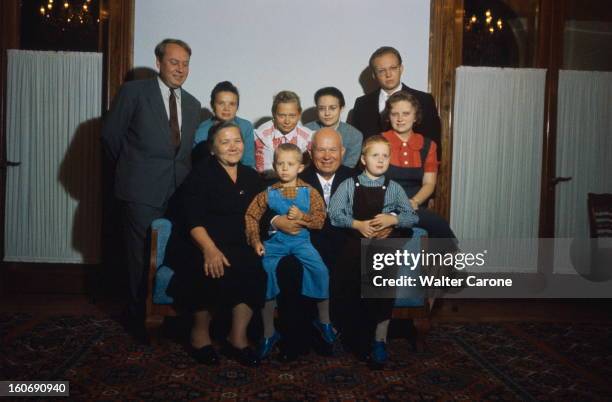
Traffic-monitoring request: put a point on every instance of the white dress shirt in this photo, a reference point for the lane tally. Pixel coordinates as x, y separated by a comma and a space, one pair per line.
326, 185
383, 96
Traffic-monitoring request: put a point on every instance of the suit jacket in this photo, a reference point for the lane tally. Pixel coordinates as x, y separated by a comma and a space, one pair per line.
328, 241
136, 135
367, 119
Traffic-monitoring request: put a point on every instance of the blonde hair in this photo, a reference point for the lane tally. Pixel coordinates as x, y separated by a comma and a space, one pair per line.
285, 97
375, 139
288, 147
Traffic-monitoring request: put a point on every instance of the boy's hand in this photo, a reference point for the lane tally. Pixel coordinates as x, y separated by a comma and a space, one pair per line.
295, 213
383, 233
259, 248
382, 221
364, 227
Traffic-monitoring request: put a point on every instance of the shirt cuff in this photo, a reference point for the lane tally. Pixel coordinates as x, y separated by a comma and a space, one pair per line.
272, 229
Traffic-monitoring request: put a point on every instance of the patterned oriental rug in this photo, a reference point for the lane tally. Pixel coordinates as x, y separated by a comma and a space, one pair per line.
469, 362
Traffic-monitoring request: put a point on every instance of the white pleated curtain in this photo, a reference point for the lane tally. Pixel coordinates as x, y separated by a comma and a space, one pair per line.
584, 146
584, 153
497, 159
53, 119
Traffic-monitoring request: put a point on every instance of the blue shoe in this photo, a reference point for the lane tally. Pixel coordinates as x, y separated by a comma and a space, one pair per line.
267, 345
326, 331
379, 355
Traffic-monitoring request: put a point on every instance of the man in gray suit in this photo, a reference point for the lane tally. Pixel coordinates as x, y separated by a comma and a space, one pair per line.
148, 134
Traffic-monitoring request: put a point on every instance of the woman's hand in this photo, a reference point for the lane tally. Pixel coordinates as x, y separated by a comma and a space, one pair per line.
383, 221
259, 248
414, 204
214, 262
295, 213
364, 227
286, 225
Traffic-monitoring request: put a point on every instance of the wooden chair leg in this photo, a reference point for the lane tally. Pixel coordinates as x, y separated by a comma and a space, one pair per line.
422, 326
153, 326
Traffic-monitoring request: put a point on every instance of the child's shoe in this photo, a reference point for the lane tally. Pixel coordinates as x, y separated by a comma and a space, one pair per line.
378, 356
331, 345
267, 345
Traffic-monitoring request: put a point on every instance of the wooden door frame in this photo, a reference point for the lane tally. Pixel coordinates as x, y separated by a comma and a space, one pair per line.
445, 55
549, 55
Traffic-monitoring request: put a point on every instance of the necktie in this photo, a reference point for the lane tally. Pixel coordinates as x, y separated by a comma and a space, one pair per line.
175, 132
327, 193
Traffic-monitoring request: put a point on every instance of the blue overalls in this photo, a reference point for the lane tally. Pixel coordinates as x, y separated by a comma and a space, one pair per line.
315, 280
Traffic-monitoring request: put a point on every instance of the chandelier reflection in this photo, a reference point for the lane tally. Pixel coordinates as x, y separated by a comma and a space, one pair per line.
68, 13
474, 24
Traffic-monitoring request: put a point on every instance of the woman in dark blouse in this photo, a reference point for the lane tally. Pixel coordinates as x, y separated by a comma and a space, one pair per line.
214, 266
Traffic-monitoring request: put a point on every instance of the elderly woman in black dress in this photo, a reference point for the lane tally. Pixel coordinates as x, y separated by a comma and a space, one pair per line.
215, 268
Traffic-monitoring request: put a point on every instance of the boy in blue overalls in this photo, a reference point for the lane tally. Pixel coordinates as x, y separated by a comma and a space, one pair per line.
300, 202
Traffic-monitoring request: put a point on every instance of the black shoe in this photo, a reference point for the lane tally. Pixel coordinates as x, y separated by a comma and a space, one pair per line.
245, 356
206, 355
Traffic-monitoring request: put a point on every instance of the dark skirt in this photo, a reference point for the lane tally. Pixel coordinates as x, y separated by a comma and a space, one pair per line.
244, 280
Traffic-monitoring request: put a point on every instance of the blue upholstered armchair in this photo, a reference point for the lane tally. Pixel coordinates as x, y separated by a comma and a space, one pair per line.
410, 302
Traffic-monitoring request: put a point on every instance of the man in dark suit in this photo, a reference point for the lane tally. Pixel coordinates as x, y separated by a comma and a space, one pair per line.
325, 175
148, 134
387, 69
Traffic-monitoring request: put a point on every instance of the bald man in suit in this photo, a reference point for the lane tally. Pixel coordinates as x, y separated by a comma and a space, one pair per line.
148, 134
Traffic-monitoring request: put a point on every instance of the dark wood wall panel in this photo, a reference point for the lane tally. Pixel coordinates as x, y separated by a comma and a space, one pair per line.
117, 42
445, 50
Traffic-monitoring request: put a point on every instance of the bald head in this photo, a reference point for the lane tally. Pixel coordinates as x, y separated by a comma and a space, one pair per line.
326, 134
327, 151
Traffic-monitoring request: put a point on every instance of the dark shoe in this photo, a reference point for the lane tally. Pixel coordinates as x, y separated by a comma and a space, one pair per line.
378, 356
206, 355
245, 356
267, 345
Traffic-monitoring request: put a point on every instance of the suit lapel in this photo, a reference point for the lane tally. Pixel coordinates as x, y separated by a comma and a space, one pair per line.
310, 177
157, 107
375, 116
340, 176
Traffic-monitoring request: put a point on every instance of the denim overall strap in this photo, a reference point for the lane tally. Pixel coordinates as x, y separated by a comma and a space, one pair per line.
277, 203
302, 199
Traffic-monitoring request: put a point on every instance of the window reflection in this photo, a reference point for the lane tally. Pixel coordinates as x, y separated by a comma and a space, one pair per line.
587, 36
499, 33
